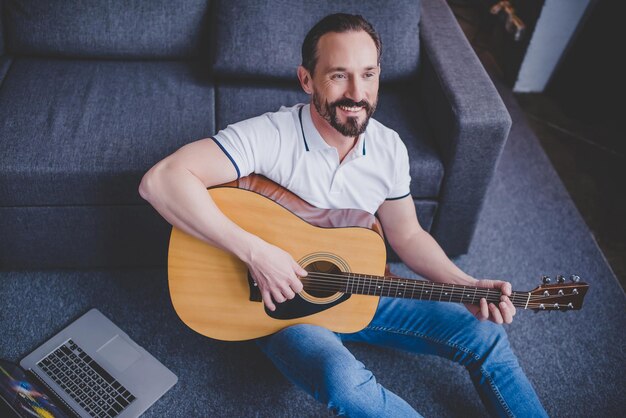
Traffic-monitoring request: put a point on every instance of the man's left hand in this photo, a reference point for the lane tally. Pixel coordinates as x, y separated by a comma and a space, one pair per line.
503, 312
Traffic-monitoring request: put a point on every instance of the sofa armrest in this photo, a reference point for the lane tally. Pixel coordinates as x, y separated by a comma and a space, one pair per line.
469, 121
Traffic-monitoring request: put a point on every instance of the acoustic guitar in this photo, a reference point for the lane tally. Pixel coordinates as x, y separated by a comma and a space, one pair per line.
342, 250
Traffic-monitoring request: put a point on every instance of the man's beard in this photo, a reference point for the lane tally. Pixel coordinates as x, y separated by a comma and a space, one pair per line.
351, 128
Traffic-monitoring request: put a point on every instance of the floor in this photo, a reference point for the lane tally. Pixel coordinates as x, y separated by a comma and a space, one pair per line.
587, 156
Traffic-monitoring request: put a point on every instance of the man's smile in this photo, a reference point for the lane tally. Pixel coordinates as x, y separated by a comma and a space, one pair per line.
351, 110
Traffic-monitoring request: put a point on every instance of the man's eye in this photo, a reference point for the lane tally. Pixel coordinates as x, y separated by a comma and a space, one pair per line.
369, 75
338, 76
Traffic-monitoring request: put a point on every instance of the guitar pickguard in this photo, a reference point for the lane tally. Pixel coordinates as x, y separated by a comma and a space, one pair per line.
299, 307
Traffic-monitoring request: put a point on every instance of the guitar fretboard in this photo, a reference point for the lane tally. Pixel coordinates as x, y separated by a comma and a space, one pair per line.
398, 287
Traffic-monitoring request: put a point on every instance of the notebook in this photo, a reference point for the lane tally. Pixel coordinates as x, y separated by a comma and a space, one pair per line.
89, 369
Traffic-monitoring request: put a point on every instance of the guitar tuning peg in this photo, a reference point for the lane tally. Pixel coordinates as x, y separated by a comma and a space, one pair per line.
560, 279
574, 278
545, 279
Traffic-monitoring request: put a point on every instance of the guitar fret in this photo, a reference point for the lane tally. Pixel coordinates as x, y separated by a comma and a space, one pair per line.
463, 294
463, 289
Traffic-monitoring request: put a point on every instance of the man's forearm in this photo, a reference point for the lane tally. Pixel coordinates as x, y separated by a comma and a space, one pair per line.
183, 201
422, 254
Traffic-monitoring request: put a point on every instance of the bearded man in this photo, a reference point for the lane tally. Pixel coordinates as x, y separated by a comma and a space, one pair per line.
333, 154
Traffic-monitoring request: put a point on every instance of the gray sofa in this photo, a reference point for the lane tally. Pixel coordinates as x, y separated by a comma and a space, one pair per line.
93, 93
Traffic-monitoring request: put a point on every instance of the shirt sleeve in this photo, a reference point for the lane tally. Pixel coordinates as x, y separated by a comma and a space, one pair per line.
402, 176
250, 144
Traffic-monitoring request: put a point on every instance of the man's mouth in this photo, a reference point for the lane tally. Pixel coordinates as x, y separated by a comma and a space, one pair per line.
351, 109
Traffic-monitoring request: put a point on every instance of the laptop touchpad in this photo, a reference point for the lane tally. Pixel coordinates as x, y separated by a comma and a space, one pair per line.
119, 353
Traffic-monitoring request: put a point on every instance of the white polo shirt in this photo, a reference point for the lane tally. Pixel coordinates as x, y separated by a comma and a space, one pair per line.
286, 147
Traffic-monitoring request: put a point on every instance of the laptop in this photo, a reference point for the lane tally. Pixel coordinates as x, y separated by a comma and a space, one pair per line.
89, 369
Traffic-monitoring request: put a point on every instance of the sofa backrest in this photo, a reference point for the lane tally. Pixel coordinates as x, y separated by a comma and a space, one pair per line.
249, 39
142, 29
263, 39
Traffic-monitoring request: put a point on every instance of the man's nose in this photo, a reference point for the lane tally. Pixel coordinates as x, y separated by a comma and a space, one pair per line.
356, 91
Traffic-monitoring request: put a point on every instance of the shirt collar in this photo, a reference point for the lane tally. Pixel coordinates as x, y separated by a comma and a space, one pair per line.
313, 141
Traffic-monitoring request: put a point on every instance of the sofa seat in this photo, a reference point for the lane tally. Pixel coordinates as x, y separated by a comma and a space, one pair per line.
82, 132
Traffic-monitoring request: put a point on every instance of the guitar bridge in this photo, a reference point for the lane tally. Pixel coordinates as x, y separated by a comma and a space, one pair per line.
255, 293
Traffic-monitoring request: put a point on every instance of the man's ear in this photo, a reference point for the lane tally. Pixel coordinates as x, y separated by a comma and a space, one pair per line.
306, 81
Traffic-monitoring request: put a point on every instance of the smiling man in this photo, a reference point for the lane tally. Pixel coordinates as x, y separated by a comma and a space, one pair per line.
333, 154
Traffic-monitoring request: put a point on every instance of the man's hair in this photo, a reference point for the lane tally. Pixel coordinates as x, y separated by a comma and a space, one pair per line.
338, 22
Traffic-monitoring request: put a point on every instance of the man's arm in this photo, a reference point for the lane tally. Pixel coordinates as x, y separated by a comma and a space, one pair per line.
176, 187
421, 253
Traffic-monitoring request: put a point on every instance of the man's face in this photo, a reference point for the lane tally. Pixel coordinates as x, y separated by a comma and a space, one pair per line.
345, 81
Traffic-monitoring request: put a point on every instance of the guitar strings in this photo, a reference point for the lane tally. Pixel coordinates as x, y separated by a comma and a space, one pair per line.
519, 302
321, 277
387, 280
440, 296
338, 285
340, 282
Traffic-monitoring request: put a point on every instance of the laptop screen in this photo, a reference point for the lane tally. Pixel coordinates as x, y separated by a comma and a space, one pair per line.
24, 396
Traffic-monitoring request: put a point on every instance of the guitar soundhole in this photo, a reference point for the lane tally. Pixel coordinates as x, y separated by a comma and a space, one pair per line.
325, 270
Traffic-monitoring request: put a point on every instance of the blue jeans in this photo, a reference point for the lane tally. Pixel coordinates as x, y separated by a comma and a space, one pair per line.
315, 359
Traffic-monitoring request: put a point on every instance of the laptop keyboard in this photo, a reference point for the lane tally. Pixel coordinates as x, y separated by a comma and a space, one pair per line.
95, 390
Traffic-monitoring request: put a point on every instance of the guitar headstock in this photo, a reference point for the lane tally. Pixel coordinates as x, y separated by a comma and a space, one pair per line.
559, 296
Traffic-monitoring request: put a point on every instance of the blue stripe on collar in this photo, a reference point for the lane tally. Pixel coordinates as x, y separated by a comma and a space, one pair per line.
302, 128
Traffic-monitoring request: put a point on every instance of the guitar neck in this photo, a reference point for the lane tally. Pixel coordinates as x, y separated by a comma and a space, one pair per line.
398, 287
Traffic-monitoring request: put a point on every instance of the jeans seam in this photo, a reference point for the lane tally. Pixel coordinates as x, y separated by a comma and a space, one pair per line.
456, 346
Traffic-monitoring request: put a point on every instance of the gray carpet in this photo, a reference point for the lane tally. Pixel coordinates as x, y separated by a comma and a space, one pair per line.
529, 227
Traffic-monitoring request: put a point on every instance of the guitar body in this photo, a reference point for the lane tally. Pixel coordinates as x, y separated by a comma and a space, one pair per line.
211, 289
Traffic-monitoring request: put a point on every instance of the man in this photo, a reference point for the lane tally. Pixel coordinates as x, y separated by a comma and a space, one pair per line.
332, 154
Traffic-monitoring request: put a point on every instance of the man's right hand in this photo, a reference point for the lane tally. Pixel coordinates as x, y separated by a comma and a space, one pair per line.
276, 273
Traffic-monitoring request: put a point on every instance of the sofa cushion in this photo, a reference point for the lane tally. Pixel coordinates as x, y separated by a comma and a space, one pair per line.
84, 132
397, 109
264, 39
108, 29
